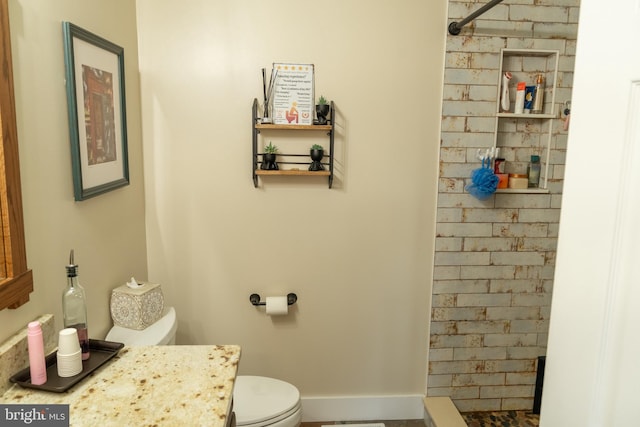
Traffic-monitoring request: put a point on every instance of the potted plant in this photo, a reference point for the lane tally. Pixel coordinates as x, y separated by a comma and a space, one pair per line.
322, 111
317, 153
269, 157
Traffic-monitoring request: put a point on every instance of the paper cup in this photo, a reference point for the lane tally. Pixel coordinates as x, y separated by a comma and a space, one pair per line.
69, 365
68, 341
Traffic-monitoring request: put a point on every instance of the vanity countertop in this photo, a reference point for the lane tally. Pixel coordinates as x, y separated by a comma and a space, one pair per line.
149, 385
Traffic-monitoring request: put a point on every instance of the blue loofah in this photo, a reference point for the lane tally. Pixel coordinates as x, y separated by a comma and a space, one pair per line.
483, 182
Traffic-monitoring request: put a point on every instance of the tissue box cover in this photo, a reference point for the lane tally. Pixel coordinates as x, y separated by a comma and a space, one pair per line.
136, 308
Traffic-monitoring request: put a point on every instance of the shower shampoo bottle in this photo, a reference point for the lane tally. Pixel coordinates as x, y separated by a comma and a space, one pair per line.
74, 307
538, 101
533, 172
519, 108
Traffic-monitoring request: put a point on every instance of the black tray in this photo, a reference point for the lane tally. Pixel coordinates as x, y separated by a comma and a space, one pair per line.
101, 352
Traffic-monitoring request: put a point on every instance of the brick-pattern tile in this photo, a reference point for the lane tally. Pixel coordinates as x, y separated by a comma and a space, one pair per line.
494, 259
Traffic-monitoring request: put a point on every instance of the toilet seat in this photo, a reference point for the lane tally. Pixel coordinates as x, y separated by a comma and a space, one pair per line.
262, 401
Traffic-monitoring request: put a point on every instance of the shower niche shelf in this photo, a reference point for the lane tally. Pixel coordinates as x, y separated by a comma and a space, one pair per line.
294, 166
520, 135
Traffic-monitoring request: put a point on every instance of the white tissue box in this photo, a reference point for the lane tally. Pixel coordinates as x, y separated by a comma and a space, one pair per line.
136, 308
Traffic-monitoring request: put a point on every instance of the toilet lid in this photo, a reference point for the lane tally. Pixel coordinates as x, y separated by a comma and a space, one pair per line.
256, 399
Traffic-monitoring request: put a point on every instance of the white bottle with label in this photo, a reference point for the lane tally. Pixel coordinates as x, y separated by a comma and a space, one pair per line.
519, 107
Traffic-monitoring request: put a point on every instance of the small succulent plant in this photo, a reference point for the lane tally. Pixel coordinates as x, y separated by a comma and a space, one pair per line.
317, 147
322, 100
271, 149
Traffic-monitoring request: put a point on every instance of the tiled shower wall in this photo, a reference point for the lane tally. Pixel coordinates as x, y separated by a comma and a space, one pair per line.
494, 259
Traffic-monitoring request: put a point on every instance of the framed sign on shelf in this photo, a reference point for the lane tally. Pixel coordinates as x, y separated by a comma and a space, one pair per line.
97, 114
293, 94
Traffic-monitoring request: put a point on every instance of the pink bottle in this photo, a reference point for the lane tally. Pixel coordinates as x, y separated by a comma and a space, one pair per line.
35, 343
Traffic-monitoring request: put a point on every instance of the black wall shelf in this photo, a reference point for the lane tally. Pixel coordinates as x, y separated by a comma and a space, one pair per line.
258, 127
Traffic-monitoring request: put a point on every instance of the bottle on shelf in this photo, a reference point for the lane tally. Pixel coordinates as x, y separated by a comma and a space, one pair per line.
504, 99
519, 107
539, 95
74, 307
533, 171
35, 345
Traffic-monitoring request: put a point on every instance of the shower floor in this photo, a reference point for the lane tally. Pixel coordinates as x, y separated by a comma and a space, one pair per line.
473, 419
501, 419
394, 423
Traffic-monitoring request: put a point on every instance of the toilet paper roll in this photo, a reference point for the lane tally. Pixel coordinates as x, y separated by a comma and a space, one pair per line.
277, 306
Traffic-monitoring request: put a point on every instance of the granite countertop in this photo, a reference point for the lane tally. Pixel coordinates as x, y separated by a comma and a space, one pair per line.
149, 385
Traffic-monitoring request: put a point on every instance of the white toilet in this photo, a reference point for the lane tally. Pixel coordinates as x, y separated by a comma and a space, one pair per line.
262, 401
257, 401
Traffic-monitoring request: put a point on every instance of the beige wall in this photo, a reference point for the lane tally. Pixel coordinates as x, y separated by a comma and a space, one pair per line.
360, 255
107, 232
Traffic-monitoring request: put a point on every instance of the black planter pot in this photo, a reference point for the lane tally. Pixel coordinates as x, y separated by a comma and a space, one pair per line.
322, 111
269, 162
316, 156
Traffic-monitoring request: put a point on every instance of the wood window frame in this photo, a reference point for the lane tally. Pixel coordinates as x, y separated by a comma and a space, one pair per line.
16, 280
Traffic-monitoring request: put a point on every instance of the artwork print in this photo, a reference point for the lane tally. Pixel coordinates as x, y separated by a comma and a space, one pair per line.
99, 115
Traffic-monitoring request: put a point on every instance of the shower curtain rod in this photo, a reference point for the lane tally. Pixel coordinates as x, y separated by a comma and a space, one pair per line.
455, 27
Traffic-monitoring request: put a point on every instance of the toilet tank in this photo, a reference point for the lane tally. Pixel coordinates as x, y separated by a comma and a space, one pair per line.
162, 332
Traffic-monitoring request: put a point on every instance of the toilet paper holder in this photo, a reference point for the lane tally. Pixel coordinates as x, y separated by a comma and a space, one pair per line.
255, 299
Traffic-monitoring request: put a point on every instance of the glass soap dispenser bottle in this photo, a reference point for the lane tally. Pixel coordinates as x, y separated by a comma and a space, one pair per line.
74, 307
533, 171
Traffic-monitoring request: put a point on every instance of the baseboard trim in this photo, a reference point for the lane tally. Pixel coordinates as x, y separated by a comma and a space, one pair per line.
362, 408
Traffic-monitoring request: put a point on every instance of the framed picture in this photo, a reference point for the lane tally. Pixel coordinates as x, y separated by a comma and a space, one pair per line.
97, 119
